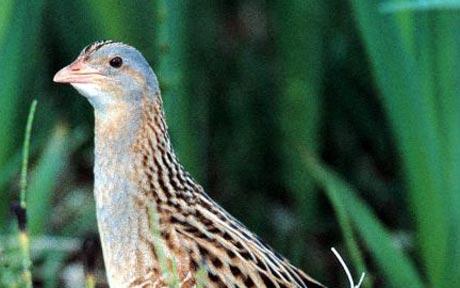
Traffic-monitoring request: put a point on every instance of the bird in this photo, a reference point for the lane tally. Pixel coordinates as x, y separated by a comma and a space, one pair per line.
136, 171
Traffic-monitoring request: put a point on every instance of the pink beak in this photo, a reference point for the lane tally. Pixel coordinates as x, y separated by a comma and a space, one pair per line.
77, 72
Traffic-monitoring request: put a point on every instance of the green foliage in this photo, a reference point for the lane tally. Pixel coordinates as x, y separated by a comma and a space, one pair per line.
172, 64
23, 235
44, 179
369, 88
19, 22
415, 60
395, 264
10, 266
300, 59
25, 155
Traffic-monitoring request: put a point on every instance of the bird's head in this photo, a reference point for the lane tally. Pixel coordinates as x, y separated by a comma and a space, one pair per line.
111, 75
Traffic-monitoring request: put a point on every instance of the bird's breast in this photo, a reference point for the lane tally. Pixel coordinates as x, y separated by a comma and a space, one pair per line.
122, 217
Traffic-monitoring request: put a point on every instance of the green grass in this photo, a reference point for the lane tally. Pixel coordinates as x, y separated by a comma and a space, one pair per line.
16, 42
370, 89
354, 215
22, 249
414, 60
23, 236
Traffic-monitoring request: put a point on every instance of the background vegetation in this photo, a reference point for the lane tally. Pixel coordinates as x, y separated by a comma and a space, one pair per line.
317, 123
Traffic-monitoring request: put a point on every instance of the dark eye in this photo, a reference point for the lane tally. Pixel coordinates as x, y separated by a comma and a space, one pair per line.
116, 62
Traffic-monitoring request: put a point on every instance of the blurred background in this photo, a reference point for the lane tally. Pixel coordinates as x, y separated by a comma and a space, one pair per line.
316, 123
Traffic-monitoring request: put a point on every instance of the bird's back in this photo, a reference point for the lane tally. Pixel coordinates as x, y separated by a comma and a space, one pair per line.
198, 233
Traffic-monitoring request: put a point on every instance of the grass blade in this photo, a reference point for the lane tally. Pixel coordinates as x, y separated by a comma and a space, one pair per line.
25, 154
21, 211
345, 223
405, 79
396, 266
446, 75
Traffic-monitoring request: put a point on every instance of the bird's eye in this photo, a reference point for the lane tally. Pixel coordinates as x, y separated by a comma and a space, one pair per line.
116, 62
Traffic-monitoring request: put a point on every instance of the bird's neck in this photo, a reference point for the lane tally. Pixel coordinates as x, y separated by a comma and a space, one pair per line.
134, 163
117, 216
126, 135
133, 151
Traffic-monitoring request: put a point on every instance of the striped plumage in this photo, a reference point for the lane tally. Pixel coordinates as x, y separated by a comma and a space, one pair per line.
136, 170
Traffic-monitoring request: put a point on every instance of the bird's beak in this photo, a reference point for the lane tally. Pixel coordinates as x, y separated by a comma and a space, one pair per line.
77, 72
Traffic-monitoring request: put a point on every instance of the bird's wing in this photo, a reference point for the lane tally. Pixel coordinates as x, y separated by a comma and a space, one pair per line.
232, 254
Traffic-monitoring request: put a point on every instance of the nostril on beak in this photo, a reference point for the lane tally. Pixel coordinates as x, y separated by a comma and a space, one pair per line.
74, 67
